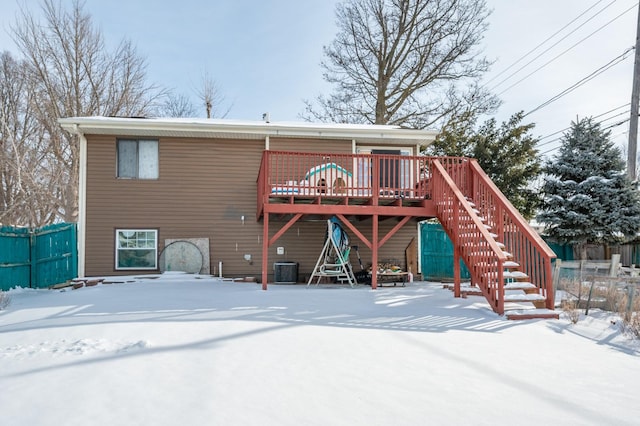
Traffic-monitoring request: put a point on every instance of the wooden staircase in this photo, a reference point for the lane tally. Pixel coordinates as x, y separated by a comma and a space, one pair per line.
509, 263
522, 298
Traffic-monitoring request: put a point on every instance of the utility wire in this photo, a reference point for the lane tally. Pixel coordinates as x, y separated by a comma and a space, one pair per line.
594, 74
604, 128
616, 124
554, 44
595, 116
565, 51
546, 40
602, 122
568, 128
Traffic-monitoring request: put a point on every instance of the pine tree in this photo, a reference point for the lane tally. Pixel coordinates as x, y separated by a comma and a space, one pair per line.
506, 152
588, 197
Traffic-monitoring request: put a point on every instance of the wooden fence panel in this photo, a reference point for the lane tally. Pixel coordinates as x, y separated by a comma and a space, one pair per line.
15, 257
38, 258
56, 259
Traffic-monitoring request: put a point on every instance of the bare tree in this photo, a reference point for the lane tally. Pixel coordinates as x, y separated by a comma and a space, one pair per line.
29, 188
212, 97
405, 62
73, 74
180, 105
176, 105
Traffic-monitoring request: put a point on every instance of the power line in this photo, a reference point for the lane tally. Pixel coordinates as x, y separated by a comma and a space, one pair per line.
616, 124
604, 128
595, 116
585, 80
568, 128
554, 44
546, 40
565, 51
611, 110
601, 122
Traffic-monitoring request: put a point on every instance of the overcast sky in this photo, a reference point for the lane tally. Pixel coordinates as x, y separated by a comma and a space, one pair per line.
265, 54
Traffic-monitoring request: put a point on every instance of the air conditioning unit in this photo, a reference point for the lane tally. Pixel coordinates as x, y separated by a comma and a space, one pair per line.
285, 272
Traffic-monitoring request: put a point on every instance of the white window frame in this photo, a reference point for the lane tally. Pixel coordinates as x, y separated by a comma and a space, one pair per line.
132, 233
147, 161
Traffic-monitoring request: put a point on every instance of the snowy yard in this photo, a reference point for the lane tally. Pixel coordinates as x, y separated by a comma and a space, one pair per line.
188, 351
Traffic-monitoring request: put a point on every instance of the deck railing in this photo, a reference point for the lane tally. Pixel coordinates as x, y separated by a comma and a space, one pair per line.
471, 239
336, 175
526, 246
448, 182
299, 174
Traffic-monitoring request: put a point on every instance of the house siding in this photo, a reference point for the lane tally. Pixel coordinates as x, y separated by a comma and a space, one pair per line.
205, 187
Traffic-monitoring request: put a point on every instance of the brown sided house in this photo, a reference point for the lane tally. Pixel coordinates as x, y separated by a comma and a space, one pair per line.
253, 195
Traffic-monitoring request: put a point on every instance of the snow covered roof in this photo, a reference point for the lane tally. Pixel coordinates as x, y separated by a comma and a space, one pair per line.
239, 129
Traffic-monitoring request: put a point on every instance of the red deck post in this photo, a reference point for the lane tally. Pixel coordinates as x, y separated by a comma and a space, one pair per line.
265, 249
374, 253
456, 250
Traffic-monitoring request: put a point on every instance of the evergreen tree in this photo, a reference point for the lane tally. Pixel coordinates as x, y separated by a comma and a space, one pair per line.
455, 137
588, 197
506, 153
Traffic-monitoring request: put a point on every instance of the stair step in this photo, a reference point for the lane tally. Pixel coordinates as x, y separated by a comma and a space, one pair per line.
520, 285
507, 275
525, 314
509, 265
523, 297
515, 275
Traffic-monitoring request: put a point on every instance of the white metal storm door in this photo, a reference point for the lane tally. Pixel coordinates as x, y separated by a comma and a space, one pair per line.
394, 174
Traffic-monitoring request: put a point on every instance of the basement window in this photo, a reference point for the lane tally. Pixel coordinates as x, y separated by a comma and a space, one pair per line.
136, 249
137, 159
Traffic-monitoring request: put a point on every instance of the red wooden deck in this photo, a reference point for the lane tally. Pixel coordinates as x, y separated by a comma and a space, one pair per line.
453, 189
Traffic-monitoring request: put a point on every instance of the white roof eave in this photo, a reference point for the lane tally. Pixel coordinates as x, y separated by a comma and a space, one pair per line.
213, 128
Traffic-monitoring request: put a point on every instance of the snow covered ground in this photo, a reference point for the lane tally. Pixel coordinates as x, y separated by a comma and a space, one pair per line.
187, 350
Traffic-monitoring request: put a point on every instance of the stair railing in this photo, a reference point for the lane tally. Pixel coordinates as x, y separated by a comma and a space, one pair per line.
524, 243
471, 239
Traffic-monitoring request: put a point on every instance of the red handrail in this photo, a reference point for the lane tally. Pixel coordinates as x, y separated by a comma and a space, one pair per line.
479, 250
526, 246
448, 181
